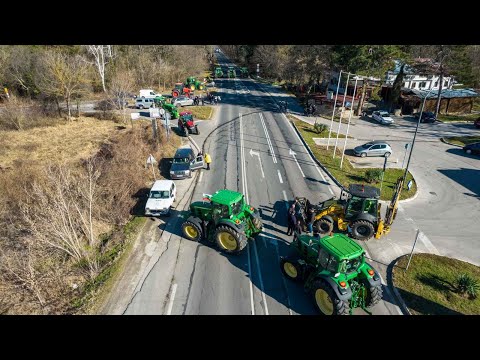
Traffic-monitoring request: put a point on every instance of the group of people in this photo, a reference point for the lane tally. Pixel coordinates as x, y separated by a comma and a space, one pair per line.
206, 158
296, 219
213, 99
310, 110
284, 106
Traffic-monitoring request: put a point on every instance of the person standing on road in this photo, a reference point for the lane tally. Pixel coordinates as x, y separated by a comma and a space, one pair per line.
298, 229
203, 100
291, 220
208, 160
310, 218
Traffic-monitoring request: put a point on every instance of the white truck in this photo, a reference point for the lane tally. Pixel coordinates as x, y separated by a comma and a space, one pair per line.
148, 94
161, 198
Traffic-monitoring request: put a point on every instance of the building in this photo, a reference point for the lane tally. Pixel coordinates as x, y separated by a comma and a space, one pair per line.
419, 79
453, 101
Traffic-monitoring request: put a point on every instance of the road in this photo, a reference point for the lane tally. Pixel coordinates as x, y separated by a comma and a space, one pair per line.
256, 151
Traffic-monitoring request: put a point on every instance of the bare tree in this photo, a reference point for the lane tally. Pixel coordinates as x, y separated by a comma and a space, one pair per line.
121, 86
62, 76
60, 213
102, 55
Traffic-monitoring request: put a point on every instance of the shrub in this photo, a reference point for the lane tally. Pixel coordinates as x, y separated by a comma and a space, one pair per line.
319, 128
467, 285
373, 175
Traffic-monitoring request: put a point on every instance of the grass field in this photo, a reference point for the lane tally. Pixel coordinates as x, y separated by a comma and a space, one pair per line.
453, 118
348, 174
200, 112
462, 140
428, 287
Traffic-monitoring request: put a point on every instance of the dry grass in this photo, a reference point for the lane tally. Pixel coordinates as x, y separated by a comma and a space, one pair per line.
67, 142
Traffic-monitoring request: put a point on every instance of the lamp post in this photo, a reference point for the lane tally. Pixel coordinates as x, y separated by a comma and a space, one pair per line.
334, 107
415, 135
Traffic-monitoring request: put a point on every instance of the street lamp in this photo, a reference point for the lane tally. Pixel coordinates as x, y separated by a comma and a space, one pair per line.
415, 135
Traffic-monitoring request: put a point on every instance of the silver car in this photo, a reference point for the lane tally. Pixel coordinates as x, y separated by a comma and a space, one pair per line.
182, 101
373, 148
382, 117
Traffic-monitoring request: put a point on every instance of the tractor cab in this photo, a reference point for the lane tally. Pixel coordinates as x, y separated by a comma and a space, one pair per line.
360, 199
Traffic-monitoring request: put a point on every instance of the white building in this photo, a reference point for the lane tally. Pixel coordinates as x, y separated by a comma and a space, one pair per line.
418, 81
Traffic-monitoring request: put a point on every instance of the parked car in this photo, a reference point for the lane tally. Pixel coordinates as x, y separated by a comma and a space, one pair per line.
182, 101
161, 198
184, 162
477, 123
373, 148
382, 117
148, 94
473, 148
144, 103
427, 117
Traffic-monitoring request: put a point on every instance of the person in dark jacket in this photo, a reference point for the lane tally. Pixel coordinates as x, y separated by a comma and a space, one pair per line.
298, 229
310, 218
291, 220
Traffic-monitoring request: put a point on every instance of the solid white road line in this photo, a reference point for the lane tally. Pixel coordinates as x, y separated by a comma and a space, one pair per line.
428, 244
286, 199
252, 304
201, 175
280, 176
172, 297
269, 142
260, 277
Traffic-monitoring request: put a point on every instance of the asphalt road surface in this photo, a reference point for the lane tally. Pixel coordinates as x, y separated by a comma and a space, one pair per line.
256, 151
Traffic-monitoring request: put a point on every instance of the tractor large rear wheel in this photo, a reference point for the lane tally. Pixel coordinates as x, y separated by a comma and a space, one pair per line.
374, 294
326, 301
175, 93
362, 230
192, 229
291, 268
323, 226
229, 240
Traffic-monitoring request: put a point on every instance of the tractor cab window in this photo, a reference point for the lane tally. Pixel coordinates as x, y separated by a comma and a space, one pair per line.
351, 265
332, 264
354, 206
323, 258
237, 207
220, 211
370, 207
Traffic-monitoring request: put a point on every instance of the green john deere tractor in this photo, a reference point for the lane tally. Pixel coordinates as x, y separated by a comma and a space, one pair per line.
244, 72
194, 84
218, 72
223, 218
231, 72
172, 109
334, 272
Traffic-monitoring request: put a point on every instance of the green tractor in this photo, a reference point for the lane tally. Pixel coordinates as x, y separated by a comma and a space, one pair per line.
244, 72
231, 72
194, 84
223, 218
334, 272
218, 72
172, 109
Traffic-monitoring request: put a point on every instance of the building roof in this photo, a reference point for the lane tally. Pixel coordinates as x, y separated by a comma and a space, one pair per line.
446, 93
160, 185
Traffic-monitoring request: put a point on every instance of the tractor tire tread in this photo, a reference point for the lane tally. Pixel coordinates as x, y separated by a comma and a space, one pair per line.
340, 307
357, 236
192, 220
317, 225
242, 239
374, 295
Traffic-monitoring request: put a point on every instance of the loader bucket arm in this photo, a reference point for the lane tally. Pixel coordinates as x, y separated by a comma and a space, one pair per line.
385, 224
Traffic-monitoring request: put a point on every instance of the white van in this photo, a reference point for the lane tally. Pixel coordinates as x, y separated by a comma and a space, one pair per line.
143, 103
148, 94
161, 198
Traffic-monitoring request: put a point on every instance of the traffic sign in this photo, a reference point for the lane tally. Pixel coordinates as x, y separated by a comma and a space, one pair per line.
151, 160
409, 184
135, 116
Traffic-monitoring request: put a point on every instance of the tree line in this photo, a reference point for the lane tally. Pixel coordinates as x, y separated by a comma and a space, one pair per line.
68, 73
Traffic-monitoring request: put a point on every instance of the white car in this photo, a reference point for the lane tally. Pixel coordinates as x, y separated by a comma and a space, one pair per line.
149, 94
182, 101
382, 117
161, 198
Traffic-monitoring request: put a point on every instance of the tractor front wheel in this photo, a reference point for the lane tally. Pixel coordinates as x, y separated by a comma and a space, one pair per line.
323, 226
196, 130
192, 229
229, 240
291, 269
326, 301
374, 294
362, 230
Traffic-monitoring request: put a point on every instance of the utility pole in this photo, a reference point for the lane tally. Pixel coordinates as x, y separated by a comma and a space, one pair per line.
334, 106
349, 118
341, 114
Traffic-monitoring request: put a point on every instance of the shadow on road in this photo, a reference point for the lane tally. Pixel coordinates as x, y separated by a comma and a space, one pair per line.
468, 178
141, 197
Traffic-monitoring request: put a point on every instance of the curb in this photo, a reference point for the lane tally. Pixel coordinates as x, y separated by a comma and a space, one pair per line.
315, 158
449, 143
401, 301
390, 284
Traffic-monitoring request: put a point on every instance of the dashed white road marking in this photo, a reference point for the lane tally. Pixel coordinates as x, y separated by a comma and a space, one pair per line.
293, 153
280, 176
201, 175
269, 142
172, 297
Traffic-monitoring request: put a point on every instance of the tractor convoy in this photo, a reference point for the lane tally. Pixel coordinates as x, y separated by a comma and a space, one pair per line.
333, 267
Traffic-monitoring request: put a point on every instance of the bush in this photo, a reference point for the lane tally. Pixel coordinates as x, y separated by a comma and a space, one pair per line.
319, 128
467, 285
373, 175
